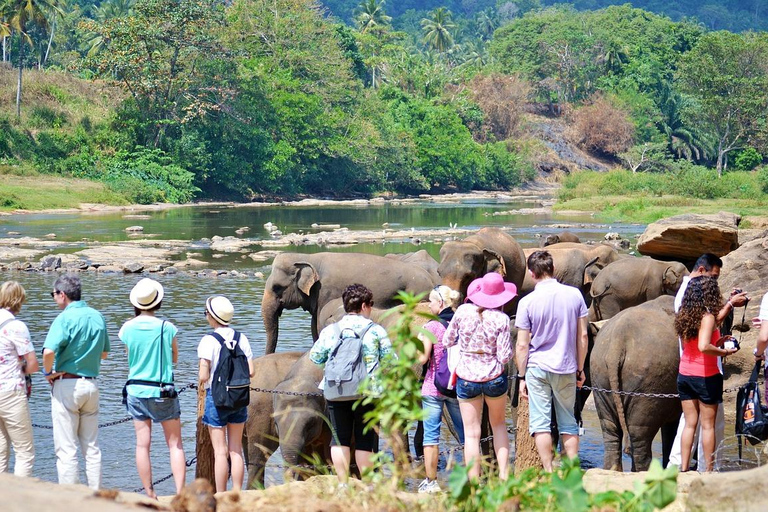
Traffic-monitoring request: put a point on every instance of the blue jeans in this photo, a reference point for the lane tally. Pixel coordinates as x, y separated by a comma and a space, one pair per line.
494, 388
543, 386
433, 405
215, 417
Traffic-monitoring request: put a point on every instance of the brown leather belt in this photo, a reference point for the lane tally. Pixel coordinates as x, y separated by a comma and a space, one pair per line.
74, 376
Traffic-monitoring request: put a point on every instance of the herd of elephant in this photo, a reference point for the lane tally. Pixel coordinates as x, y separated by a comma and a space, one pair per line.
635, 351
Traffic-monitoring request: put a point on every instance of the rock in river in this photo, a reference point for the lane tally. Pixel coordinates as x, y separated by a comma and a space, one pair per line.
686, 237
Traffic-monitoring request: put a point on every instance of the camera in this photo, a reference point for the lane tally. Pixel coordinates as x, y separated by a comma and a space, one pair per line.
730, 343
168, 391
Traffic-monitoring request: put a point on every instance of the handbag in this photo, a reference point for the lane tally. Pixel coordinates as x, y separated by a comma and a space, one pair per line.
167, 389
751, 414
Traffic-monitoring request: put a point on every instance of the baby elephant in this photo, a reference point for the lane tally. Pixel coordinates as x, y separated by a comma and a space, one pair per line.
565, 236
632, 281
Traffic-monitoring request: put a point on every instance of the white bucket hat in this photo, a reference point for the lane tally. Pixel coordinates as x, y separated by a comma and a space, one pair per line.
220, 309
147, 294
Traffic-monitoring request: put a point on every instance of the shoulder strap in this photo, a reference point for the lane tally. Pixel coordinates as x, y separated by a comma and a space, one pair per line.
218, 337
7, 322
752, 378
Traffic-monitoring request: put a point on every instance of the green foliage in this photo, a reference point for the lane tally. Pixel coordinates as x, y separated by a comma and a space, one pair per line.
562, 490
762, 179
747, 159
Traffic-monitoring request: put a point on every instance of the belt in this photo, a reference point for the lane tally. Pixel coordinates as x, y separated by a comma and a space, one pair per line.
74, 376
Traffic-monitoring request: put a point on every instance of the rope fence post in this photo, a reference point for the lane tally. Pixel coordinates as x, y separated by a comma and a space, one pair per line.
203, 446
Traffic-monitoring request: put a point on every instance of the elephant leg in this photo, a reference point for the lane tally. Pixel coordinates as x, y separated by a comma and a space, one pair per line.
668, 433
257, 453
641, 439
612, 432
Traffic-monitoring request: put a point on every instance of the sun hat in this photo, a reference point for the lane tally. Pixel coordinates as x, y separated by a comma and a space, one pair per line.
220, 309
146, 294
490, 291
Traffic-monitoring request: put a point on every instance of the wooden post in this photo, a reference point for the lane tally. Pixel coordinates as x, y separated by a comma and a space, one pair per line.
204, 448
526, 455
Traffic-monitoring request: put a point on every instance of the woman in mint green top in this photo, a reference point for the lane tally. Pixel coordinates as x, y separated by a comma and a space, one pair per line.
152, 352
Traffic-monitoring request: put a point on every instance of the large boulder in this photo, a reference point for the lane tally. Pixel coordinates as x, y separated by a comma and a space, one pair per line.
686, 237
747, 268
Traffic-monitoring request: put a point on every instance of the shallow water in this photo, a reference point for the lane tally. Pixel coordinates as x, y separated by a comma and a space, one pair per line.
185, 297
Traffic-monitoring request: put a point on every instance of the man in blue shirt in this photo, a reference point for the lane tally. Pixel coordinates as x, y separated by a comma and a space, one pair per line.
77, 342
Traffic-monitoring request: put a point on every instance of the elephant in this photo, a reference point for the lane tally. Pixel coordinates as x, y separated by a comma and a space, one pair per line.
490, 250
565, 236
260, 434
421, 259
632, 281
575, 264
309, 281
637, 351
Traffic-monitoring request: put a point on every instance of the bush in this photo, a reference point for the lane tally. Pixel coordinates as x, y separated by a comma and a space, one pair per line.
44, 117
147, 176
602, 127
747, 159
501, 98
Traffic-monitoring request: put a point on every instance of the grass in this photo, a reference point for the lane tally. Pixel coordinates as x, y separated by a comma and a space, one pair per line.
44, 192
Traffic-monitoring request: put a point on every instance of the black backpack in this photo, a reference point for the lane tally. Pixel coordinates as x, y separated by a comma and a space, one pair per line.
231, 386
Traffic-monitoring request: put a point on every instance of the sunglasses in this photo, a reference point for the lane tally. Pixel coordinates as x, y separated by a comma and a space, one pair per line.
54, 293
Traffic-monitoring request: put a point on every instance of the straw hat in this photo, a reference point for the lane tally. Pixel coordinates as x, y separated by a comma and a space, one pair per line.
490, 291
147, 294
220, 309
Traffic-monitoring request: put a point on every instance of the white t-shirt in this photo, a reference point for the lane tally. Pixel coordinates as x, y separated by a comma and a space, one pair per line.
210, 347
763, 315
14, 343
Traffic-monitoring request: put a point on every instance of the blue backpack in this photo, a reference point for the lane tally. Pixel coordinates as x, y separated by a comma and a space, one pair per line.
231, 386
345, 368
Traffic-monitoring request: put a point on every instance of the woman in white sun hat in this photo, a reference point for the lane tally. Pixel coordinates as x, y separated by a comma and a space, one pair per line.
149, 394
481, 329
225, 425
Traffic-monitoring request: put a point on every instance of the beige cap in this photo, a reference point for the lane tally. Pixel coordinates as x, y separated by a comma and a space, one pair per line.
146, 294
220, 309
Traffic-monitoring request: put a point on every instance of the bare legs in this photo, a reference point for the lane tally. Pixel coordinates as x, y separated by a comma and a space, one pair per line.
172, 431
430, 461
228, 446
471, 415
341, 457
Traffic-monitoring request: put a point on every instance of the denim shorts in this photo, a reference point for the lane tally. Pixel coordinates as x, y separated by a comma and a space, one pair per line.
494, 388
215, 417
708, 390
155, 409
433, 406
545, 389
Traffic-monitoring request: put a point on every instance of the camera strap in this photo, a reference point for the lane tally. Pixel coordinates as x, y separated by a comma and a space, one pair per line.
143, 382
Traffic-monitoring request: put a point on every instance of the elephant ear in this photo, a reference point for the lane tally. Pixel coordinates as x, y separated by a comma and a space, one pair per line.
590, 274
306, 276
494, 262
670, 279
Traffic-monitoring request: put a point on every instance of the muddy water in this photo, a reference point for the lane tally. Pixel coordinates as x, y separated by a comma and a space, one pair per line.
185, 297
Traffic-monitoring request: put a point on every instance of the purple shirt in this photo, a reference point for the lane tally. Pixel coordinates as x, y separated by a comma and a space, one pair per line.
551, 312
484, 343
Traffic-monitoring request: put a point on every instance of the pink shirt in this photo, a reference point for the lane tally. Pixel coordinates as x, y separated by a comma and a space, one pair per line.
428, 387
484, 343
695, 364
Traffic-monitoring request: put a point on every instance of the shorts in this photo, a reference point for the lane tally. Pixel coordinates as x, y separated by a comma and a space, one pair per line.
155, 409
219, 418
433, 406
546, 389
708, 390
494, 388
345, 422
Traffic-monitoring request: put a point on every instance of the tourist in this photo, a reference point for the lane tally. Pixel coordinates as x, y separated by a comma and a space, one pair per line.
149, 393
15, 348
442, 301
225, 425
481, 329
346, 419
699, 381
706, 265
551, 348
75, 346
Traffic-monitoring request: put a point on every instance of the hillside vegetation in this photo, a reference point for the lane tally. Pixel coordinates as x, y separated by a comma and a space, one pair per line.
167, 100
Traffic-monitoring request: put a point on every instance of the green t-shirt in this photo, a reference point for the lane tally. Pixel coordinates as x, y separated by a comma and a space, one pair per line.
141, 336
78, 336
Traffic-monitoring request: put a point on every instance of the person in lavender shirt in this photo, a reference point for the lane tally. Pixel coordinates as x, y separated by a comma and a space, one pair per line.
551, 347
442, 301
481, 330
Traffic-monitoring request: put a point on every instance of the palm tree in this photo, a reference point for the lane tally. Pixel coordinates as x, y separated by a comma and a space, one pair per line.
5, 25
486, 24
23, 13
108, 10
372, 17
437, 29
683, 141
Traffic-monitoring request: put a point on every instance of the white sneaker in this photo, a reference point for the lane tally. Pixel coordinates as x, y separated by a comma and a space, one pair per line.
428, 486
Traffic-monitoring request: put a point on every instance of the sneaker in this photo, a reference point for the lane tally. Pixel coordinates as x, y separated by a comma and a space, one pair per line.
428, 486
342, 490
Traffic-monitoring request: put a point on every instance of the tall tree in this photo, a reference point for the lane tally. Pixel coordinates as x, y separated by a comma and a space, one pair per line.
372, 17
21, 15
438, 29
727, 75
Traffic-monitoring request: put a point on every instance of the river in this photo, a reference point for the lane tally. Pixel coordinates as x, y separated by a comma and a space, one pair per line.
185, 295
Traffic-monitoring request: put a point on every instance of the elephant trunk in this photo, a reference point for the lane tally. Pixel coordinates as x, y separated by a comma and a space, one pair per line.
271, 309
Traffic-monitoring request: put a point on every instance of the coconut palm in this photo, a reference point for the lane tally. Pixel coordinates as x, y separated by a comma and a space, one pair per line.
5, 25
683, 140
486, 24
110, 9
372, 17
23, 13
438, 29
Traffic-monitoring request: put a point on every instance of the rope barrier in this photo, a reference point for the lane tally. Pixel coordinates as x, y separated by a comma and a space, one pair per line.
191, 462
645, 395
